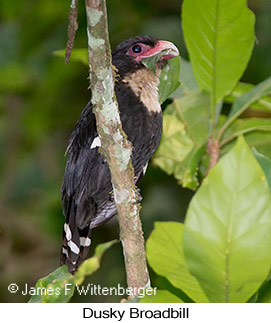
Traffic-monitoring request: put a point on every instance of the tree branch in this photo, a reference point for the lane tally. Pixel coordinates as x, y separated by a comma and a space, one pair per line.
115, 146
72, 28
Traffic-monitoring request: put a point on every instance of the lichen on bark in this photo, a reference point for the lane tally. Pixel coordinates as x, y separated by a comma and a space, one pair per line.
115, 147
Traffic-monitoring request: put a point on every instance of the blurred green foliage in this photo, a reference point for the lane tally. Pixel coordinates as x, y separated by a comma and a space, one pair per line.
40, 100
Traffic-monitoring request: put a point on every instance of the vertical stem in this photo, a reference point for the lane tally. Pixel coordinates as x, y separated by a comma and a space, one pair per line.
115, 146
213, 151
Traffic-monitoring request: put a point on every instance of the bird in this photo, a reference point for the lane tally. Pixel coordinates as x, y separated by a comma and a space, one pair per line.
87, 200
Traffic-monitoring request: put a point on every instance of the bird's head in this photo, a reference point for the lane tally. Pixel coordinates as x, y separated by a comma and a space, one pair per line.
128, 56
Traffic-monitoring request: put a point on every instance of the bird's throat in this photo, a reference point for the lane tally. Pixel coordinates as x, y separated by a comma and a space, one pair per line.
144, 83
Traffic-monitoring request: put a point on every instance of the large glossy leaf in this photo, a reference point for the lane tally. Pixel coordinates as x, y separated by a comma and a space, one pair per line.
219, 35
182, 156
165, 256
265, 163
265, 293
227, 236
58, 287
162, 296
162, 283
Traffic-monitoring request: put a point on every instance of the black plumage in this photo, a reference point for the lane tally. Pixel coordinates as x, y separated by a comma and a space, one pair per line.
87, 190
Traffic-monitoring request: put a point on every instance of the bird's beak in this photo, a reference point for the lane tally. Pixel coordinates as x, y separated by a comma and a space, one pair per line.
170, 49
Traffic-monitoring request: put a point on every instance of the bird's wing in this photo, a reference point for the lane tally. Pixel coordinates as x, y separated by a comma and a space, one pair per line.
86, 182
85, 191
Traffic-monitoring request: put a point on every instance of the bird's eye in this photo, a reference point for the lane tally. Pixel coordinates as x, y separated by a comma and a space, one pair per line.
136, 49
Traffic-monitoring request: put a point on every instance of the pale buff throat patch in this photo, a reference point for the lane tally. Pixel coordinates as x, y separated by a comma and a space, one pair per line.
144, 83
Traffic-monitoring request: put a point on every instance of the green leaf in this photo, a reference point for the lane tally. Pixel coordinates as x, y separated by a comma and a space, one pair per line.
188, 81
227, 236
220, 39
244, 101
165, 256
78, 55
265, 293
169, 78
180, 154
162, 296
265, 163
174, 146
241, 88
261, 140
162, 282
58, 287
150, 62
91, 265
193, 111
243, 126
187, 78
176, 153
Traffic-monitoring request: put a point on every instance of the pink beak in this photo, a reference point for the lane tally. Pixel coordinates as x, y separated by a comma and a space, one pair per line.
172, 50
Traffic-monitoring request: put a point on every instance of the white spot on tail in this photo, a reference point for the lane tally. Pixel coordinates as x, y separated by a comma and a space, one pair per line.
85, 242
68, 232
65, 251
73, 247
96, 142
145, 169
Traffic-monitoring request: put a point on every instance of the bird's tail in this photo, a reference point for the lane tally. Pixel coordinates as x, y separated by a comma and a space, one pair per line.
75, 246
